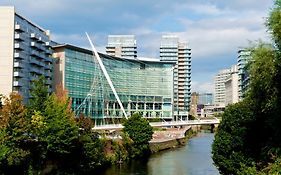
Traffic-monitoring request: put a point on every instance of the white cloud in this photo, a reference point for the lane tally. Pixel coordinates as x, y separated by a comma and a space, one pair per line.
202, 87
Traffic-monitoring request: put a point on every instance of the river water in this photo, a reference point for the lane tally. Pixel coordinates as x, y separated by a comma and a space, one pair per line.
192, 159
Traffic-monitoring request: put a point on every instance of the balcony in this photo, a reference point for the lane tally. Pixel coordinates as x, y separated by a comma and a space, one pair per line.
37, 54
48, 52
40, 40
48, 44
37, 62
20, 55
17, 83
18, 74
18, 28
48, 60
34, 36
19, 37
48, 74
36, 46
18, 64
19, 46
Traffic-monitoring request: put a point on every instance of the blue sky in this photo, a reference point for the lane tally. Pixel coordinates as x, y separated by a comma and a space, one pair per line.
214, 29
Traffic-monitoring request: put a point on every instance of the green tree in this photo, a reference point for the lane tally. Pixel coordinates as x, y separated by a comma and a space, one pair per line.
61, 131
230, 148
140, 131
39, 93
13, 135
257, 135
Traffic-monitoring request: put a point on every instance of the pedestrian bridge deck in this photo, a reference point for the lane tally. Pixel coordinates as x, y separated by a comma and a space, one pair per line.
162, 124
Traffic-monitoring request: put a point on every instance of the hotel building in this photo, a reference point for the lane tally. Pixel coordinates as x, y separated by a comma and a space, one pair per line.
144, 86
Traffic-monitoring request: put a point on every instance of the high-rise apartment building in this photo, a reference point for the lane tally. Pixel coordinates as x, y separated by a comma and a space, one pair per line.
124, 46
25, 53
231, 86
219, 96
172, 50
243, 75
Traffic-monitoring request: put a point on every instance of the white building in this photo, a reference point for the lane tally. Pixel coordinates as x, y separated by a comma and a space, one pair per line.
231, 86
219, 95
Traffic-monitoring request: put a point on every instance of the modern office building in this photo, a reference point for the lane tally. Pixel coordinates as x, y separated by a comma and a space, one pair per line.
171, 50
124, 46
231, 86
243, 75
219, 96
144, 86
25, 53
205, 98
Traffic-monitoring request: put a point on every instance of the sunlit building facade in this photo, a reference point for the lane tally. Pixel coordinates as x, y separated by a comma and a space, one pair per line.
25, 54
171, 50
143, 86
220, 78
124, 46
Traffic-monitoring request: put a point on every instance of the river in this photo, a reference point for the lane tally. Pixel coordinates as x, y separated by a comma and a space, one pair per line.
192, 159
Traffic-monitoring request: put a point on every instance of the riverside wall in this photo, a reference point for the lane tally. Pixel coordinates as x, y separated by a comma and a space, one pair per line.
171, 138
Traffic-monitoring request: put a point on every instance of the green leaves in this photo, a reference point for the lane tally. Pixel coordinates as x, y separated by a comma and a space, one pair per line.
249, 137
140, 132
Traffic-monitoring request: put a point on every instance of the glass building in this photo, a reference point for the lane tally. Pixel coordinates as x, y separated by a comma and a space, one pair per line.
143, 86
243, 74
171, 50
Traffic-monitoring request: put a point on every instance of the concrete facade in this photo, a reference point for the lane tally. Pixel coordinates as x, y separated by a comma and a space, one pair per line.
231, 86
219, 96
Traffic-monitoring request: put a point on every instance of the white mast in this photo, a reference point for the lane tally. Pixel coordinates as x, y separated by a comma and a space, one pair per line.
107, 76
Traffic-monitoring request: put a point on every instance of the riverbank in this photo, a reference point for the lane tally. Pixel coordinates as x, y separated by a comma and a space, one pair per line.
171, 138
192, 158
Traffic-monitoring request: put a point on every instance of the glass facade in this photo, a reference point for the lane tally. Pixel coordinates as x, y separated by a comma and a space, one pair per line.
142, 86
243, 75
173, 51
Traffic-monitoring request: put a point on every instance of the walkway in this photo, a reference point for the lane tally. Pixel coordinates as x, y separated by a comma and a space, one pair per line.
162, 124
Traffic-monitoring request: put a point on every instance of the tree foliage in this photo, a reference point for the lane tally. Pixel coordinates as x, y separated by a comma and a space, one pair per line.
39, 93
31, 139
140, 131
249, 137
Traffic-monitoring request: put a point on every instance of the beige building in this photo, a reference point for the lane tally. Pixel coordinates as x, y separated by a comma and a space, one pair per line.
231, 86
219, 95
25, 53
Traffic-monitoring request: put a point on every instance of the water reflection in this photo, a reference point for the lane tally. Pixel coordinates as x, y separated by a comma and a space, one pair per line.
192, 159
